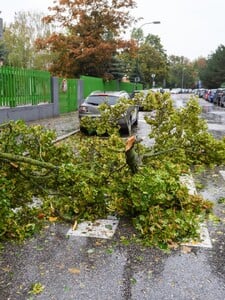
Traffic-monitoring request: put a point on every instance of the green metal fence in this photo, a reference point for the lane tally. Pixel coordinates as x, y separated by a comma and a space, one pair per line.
19, 87
68, 100
67, 95
92, 83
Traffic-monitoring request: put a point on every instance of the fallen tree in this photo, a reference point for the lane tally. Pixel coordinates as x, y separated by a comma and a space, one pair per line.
88, 177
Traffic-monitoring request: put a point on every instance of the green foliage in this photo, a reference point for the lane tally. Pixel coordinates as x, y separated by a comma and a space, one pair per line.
107, 124
160, 206
36, 288
151, 58
152, 61
221, 200
182, 72
19, 41
183, 130
87, 177
20, 181
146, 101
117, 68
76, 51
213, 73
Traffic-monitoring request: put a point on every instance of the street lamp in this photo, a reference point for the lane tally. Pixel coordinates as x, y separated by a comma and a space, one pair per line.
153, 22
182, 79
147, 23
153, 80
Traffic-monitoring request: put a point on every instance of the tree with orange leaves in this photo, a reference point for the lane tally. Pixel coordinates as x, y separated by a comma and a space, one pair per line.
90, 35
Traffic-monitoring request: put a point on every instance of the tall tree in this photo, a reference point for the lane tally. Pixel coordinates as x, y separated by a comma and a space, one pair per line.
213, 75
151, 61
151, 58
3, 52
19, 41
90, 37
182, 72
199, 66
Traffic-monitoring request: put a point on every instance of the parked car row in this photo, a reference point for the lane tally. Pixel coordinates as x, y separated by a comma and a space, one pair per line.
90, 106
215, 96
181, 91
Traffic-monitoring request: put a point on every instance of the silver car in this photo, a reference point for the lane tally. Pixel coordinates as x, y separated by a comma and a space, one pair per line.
90, 107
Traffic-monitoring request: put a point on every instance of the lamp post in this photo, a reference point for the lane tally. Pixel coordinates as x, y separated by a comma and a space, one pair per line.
147, 23
153, 80
140, 27
182, 79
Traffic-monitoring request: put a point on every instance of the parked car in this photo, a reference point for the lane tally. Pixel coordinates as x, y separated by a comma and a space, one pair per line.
218, 96
201, 92
206, 95
176, 91
222, 98
90, 107
211, 95
139, 97
165, 90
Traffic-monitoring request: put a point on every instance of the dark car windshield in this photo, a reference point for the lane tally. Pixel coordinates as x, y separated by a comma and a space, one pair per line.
98, 99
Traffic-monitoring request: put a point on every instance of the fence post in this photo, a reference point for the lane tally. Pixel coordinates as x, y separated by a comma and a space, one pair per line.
80, 91
55, 95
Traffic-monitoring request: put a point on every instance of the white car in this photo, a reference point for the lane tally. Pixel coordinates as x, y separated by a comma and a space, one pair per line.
176, 91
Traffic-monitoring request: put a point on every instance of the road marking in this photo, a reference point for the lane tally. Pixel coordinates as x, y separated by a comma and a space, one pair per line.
204, 241
223, 174
188, 180
105, 228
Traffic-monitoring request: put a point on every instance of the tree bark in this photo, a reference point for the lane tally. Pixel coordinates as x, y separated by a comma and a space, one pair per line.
18, 158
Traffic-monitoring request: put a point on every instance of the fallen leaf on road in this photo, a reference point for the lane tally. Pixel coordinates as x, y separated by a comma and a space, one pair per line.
185, 249
6, 269
52, 219
74, 270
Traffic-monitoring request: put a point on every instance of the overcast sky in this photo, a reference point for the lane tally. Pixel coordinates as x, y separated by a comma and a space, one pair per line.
189, 28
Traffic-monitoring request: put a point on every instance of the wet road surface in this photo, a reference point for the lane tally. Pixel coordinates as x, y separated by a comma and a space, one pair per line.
81, 268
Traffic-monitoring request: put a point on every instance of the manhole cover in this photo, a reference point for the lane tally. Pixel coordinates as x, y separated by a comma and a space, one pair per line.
102, 228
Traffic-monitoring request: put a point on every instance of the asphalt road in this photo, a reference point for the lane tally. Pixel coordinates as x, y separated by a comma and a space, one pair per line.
83, 268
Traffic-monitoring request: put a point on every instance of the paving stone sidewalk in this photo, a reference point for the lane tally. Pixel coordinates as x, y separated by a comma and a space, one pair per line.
63, 124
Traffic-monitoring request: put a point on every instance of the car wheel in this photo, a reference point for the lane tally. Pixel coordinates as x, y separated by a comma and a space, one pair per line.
129, 126
83, 130
222, 101
136, 121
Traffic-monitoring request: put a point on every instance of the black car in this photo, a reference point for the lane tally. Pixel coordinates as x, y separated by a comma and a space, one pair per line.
222, 98
218, 96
